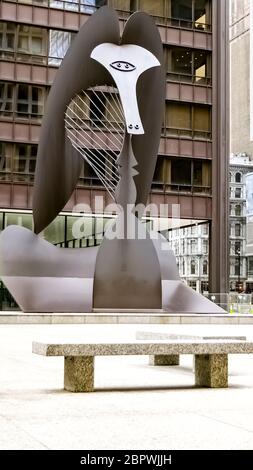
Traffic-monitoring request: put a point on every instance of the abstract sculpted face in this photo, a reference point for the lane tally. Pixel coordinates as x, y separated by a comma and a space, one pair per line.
100, 140
126, 63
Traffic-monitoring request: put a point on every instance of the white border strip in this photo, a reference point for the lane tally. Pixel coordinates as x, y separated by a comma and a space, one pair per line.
251, 70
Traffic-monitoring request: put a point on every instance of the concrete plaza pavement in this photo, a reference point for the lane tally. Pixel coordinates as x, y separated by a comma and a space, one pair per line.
135, 406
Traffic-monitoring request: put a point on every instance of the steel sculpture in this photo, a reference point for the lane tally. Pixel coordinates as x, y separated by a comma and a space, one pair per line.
130, 271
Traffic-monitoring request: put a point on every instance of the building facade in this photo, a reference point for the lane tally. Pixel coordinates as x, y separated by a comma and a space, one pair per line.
191, 244
191, 247
240, 167
240, 72
192, 165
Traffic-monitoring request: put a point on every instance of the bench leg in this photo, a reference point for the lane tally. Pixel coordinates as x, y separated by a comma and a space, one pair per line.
79, 373
211, 370
164, 360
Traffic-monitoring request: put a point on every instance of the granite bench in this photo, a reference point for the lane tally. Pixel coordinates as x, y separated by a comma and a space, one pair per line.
174, 359
211, 358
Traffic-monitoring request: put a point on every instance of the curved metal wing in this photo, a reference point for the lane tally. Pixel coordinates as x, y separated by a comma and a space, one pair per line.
58, 162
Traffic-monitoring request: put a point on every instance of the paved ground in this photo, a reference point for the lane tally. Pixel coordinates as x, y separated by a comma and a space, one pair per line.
135, 406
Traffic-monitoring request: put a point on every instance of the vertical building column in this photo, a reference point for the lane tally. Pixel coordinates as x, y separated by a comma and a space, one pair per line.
219, 244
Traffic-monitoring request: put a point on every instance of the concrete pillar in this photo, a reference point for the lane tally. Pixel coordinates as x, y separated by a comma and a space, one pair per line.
79, 373
164, 360
211, 370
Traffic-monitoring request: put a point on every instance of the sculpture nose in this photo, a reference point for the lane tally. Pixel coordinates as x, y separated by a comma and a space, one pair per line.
130, 106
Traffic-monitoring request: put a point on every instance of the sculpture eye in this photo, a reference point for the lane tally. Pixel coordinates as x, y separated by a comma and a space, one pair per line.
123, 66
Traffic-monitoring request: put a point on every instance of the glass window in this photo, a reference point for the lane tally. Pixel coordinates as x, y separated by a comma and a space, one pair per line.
237, 230
200, 63
193, 244
193, 267
97, 108
7, 38
238, 210
205, 267
181, 173
22, 99
193, 230
26, 40
79, 107
238, 177
80, 227
202, 119
59, 42
87, 174
37, 101
201, 176
250, 266
186, 64
237, 267
85, 6
30, 101
97, 158
31, 40
192, 284
204, 286
24, 162
181, 9
237, 247
6, 151
181, 61
200, 13
112, 111
1, 221
101, 224
178, 116
54, 233
124, 5
159, 171
238, 193
24, 220
183, 267
183, 118
196, 11
197, 173
6, 98
205, 229
205, 246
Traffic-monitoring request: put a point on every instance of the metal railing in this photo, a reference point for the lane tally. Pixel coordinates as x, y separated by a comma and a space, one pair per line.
94, 239
180, 188
94, 181
87, 124
233, 303
187, 133
22, 115
189, 78
23, 177
30, 58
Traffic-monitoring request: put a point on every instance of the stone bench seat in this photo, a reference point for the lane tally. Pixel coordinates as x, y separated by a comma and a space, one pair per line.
211, 358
